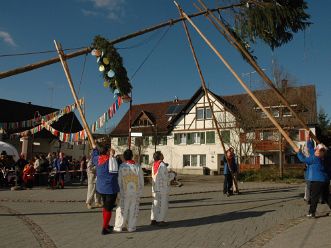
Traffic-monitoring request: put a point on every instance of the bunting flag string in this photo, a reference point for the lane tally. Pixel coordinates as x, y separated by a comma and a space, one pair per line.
100, 122
78, 136
65, 137
38, 119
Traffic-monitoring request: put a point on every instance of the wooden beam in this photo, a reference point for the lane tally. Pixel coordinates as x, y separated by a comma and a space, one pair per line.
86, 50
203, 84
250, 93
221, 27
73, 91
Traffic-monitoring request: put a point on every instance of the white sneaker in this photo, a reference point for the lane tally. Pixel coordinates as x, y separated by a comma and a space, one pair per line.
117, 229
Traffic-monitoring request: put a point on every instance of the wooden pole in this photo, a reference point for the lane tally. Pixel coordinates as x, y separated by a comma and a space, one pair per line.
234, 42
204, 87
73, 91
250, 93
86, 50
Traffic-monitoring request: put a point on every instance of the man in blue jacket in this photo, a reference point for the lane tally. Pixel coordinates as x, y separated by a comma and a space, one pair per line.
106, 185
316, 174
61, 165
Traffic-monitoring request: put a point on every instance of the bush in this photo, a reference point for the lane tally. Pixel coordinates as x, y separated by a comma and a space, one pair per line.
271, 173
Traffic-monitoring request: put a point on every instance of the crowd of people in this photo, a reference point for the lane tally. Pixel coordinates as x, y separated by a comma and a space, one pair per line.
40, 170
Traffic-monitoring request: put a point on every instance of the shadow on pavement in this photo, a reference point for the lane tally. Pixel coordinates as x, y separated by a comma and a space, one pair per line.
208, 220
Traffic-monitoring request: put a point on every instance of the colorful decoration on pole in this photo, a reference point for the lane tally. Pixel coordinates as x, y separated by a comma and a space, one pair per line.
111, 66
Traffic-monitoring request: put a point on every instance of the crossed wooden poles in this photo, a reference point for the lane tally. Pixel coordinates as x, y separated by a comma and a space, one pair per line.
221, 27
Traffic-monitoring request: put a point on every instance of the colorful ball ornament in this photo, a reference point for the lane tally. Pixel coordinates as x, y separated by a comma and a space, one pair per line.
93, 52
111, 73
101, 68
97, 53
106, 84
105, 61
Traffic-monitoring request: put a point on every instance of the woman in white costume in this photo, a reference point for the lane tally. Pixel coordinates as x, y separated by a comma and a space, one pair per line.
131, 182
160, 190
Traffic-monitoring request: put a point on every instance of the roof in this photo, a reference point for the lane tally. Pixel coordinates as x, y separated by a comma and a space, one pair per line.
12, 111
241, 105
156, 112
302, 99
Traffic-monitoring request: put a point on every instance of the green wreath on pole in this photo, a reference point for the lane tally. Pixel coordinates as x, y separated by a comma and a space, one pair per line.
111, 66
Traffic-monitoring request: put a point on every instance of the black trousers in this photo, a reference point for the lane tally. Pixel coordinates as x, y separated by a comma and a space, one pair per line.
318, 190
227, 187
108, 201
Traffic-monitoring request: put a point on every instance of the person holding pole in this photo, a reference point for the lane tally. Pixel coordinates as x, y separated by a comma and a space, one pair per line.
234, 174
160, 190
230, 167
131, 183
317, 175
106, 185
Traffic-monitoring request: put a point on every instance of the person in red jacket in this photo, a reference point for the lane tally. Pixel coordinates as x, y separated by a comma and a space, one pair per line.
28, 174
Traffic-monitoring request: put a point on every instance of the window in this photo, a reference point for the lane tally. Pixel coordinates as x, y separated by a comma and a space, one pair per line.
225, 136
161, 140
202, 160
186, 160
275, 112
122, 141
210, 137
144, 159
195, 138
294, 135
287, 112
182, 138
270, 135
146, 141
203, 113
194, 160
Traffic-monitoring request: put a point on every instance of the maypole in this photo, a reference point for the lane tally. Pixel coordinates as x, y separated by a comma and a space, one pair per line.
221, 27
73, 91
250, 93
204, 87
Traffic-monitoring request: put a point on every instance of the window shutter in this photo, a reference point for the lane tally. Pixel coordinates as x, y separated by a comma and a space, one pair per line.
176, 138
202, 138
302, 134
225, 136
210, 137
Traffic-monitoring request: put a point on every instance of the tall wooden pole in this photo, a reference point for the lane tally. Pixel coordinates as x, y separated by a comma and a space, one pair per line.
86, 50
73, 91
250, 93
221, 27
204, 87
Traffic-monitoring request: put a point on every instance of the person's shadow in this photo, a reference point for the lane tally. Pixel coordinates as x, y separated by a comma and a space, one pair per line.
208, 220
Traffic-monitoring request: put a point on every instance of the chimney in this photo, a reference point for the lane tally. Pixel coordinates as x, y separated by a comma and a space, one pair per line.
176, 99
284, 85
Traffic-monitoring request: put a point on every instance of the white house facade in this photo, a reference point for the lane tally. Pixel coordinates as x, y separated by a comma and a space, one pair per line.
185, 133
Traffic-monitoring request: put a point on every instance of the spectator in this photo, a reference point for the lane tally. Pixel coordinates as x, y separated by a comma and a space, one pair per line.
91, 192
61, 165
19, 167
82, 170
28, 174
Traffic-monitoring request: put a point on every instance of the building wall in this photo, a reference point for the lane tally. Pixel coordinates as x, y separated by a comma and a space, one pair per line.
187, 124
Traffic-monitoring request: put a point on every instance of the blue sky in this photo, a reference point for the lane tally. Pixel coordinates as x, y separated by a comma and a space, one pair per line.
170, 71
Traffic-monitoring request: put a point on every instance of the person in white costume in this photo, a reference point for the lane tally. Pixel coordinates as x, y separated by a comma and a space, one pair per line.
91, 190
131, 183
160, 190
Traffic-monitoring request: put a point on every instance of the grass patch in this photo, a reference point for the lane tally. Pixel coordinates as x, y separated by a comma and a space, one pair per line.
271, 174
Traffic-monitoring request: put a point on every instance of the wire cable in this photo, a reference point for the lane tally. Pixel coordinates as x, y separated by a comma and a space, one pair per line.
150, 53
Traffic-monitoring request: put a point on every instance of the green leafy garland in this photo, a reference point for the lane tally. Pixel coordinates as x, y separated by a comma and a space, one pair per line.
273, 21
111, 65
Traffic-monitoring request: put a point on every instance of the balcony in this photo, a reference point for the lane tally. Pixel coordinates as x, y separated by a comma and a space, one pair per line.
267, 145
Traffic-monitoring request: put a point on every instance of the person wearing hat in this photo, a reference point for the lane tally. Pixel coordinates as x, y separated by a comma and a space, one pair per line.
106, 185
317, 175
